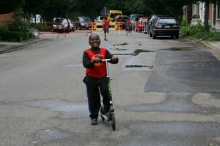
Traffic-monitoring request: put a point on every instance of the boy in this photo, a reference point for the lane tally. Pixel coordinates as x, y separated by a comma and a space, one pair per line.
96, 80
106, 24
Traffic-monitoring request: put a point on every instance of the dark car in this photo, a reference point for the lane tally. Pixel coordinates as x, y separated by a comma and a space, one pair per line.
133, 18
149, 21
120, 17
164, 26
123, 19
82, 22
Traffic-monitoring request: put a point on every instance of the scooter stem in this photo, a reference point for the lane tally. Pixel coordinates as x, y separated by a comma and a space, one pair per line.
106, 61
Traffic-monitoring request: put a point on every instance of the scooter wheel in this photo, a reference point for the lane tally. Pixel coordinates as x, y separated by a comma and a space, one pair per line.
103, 119
113, 122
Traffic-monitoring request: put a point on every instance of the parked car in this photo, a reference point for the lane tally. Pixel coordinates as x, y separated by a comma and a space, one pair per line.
82, 22
61, 24
141, 24
149, 22
98, 19
133, 18
123, 19
164, 26
120, 17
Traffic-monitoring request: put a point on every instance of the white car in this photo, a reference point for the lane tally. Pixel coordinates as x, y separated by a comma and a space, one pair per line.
60, 24
98, 19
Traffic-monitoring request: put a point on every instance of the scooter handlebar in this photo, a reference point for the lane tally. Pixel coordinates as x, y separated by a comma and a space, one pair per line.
107, 60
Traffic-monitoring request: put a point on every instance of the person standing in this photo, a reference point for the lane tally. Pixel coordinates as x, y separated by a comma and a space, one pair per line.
96, 79
106, 24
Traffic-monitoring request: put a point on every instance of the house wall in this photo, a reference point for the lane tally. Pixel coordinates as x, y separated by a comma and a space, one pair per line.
217, 21
6, 17
200, 9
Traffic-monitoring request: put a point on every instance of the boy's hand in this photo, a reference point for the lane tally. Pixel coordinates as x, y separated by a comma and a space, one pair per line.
114, 58
96, 60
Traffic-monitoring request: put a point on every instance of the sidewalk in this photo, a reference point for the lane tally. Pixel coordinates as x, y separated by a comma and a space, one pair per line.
11, 46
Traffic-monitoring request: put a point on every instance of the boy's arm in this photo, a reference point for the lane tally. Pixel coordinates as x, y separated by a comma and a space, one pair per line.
86, 62
114, 59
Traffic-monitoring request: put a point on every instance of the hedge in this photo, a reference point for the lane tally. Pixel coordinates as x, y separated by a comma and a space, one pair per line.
15, 36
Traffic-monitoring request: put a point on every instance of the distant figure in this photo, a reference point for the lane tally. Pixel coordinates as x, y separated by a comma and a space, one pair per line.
128, 25
106, 24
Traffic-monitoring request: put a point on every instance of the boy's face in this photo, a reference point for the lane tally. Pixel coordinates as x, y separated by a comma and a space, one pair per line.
94, 41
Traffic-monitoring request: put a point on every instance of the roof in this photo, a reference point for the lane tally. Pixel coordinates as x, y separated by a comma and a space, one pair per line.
6, 17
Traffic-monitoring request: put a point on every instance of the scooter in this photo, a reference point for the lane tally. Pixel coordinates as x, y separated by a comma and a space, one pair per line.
110, 117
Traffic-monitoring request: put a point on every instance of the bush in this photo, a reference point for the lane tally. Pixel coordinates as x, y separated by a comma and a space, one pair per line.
198, 27
3, 26
207, 36
18, 26
184, 23
43, 27
15, 36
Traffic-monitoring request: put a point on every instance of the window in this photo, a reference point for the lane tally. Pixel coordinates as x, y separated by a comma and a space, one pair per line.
167, 21
218, 9
195, 9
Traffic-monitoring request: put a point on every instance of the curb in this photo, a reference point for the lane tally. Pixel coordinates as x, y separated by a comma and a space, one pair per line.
216, 50
10, 48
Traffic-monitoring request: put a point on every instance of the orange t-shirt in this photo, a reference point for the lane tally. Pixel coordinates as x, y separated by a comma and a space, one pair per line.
99, 69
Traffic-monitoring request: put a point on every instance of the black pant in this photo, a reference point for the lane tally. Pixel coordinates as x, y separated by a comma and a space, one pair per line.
95, 86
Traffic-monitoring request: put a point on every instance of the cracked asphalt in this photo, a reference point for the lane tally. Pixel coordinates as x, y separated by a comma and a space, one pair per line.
175, 101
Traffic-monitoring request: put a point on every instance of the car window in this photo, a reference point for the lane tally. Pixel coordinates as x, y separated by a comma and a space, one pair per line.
145, 20
58, 20
155, 20
167, 21
85, 19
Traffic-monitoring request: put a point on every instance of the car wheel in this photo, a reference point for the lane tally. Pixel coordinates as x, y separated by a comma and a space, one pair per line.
177, 36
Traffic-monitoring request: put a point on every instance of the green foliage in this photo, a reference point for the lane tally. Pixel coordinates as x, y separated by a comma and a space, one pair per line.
15, 36
189, 30
43, 27
207, 36
198, 27
19, 24
184, 23
7, 6
197, 31
3, 26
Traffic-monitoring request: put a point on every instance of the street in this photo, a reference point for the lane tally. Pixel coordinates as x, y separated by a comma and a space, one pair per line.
165, 93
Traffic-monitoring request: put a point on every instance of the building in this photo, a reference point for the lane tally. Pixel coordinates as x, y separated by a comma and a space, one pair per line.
6, 17
197, 10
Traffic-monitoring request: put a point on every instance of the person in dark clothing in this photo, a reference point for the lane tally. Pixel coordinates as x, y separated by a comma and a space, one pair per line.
95, 79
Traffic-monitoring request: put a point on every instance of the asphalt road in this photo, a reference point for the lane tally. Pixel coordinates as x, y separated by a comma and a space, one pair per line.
167, 94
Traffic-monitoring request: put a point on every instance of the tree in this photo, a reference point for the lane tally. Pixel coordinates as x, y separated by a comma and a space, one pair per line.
7, 6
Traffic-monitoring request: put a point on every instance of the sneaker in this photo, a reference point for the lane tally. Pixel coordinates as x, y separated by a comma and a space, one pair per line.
94, 122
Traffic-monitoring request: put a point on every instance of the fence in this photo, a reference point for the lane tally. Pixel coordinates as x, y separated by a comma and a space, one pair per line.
70, 28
